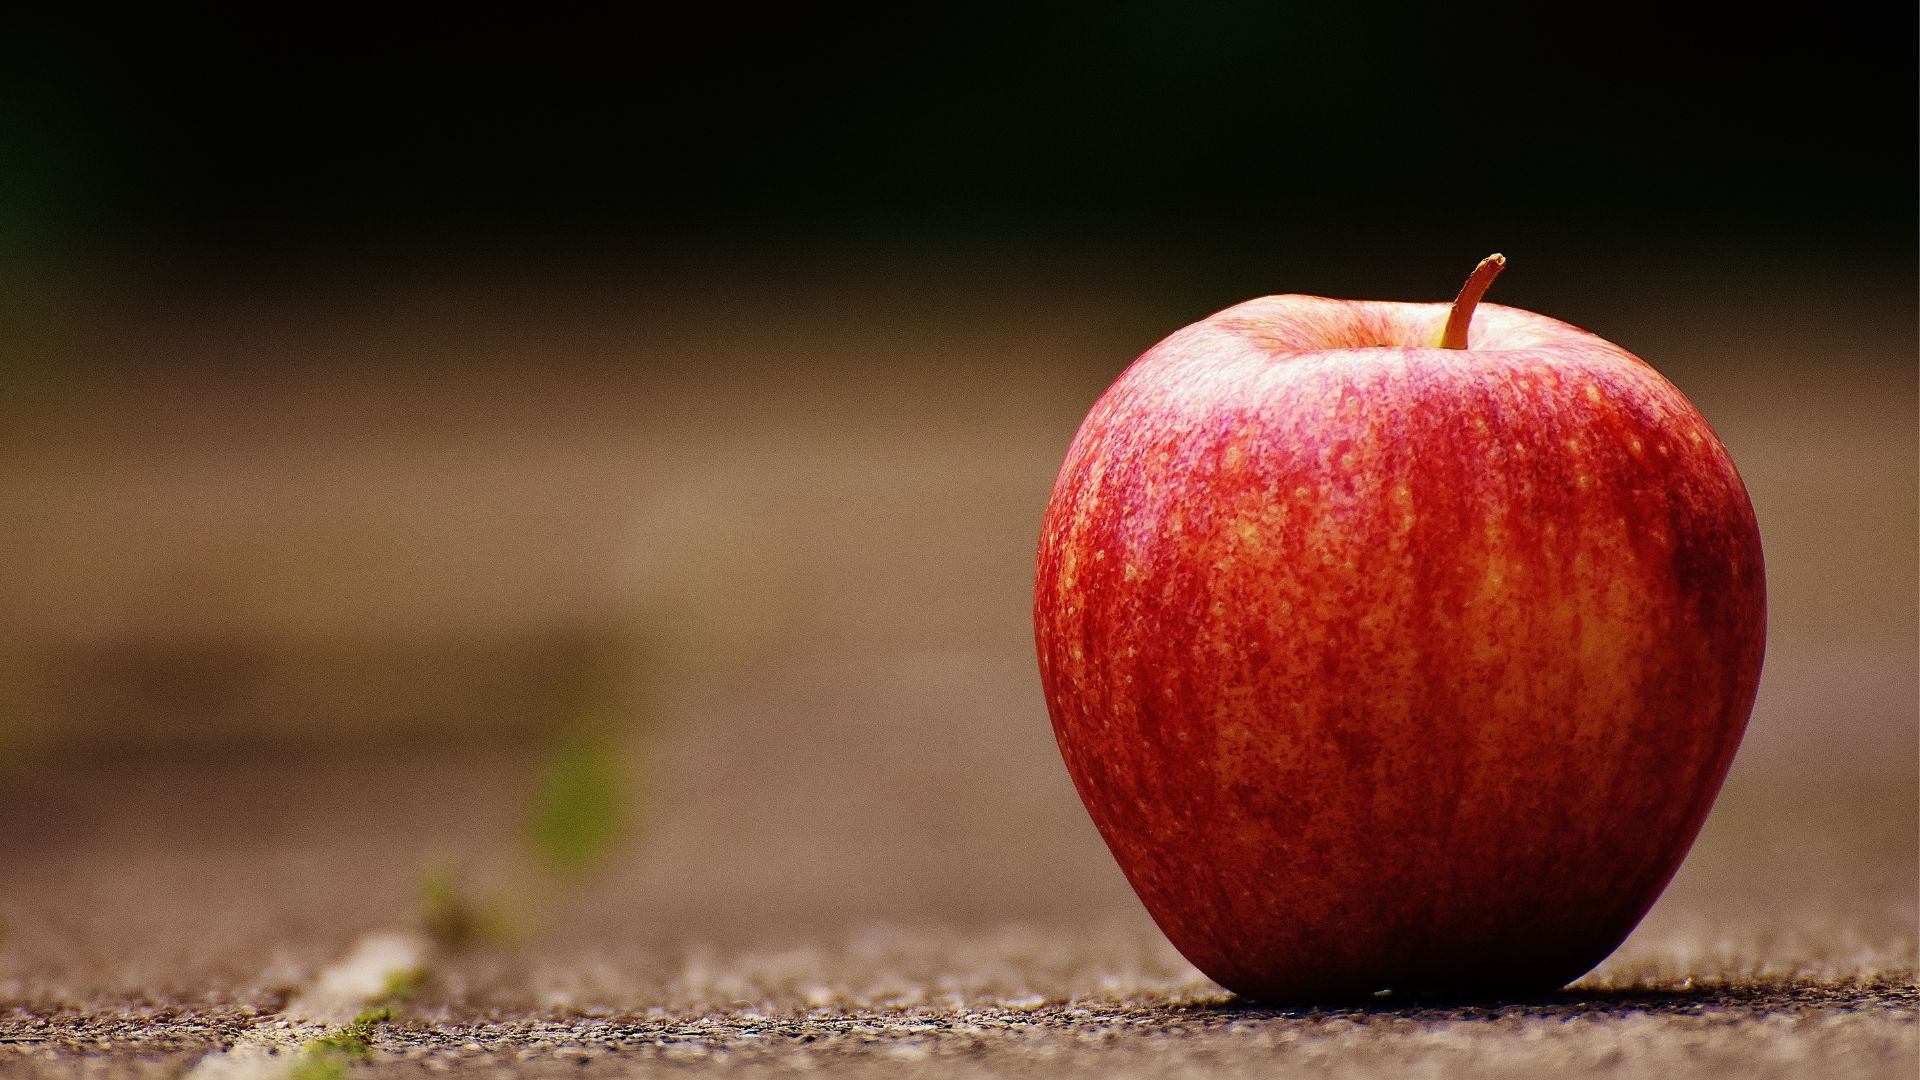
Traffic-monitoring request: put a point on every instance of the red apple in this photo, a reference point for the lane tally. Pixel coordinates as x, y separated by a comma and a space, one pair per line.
1386, 659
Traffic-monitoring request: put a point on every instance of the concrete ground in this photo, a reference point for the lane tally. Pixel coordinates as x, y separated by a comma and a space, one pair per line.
290, 637
1780, 947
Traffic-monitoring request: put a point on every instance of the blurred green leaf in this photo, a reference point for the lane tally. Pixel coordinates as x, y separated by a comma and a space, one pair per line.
579, 811
582, 806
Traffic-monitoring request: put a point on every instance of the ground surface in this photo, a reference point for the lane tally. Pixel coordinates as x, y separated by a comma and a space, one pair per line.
287, 638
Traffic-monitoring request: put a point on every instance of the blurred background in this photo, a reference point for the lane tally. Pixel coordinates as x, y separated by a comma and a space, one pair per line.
426, 449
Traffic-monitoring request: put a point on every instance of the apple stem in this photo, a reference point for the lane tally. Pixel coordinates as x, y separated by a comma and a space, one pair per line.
1461, 317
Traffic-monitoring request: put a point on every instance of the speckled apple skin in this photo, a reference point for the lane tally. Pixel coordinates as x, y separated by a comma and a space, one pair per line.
1396, 668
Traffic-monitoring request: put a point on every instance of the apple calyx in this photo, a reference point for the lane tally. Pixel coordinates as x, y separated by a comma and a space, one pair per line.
1461, 317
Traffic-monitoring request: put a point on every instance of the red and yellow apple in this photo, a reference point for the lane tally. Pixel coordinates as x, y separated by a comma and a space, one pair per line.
1397, 646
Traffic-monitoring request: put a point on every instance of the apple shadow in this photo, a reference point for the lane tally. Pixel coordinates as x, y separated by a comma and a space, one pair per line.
1756, 998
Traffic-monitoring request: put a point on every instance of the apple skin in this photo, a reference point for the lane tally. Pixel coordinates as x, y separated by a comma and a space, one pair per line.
1382, 666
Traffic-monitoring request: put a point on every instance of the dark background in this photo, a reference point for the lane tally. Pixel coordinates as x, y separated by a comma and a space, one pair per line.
1402, 137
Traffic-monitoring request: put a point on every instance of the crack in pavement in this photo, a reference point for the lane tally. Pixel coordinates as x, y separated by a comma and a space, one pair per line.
271, 1047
